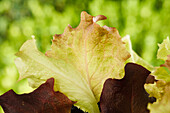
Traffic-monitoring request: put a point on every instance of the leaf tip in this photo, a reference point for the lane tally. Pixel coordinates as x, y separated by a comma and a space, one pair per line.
86, 17
98, 18
50, 81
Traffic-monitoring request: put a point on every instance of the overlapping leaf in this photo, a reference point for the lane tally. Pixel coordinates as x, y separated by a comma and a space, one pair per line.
80, 60
162, 72
97, 52
134, 57
161, 89
167, 63
42, 100
126, 95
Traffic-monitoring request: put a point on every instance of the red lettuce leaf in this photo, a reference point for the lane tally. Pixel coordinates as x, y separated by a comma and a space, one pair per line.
126, 95
41, 100
151, 79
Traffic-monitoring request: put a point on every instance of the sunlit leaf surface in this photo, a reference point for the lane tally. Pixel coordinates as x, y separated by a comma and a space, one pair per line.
80, 60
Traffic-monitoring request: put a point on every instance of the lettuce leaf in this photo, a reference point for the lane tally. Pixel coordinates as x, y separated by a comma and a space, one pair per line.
126, 95
164, 49
41, 100
37, 67
163, 72
80, 60
167, 63
134, 57
161, 89
163, 98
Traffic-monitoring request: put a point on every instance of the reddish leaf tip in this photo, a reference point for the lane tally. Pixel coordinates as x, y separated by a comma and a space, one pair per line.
98, 18
86, 17
50, 81
56, 36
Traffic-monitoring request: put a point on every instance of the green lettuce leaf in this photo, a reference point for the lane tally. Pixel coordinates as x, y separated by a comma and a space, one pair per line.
161, 89
155, 90
163, 72
164, 49
134, 57
80, 61
163, 98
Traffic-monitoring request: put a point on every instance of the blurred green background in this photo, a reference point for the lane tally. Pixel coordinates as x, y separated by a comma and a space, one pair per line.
146, 21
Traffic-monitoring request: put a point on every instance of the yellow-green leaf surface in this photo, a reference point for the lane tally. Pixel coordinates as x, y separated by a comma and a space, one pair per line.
163, 102
163, 72
161, 89
80, 60
97, 52
164, 49
156, 90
